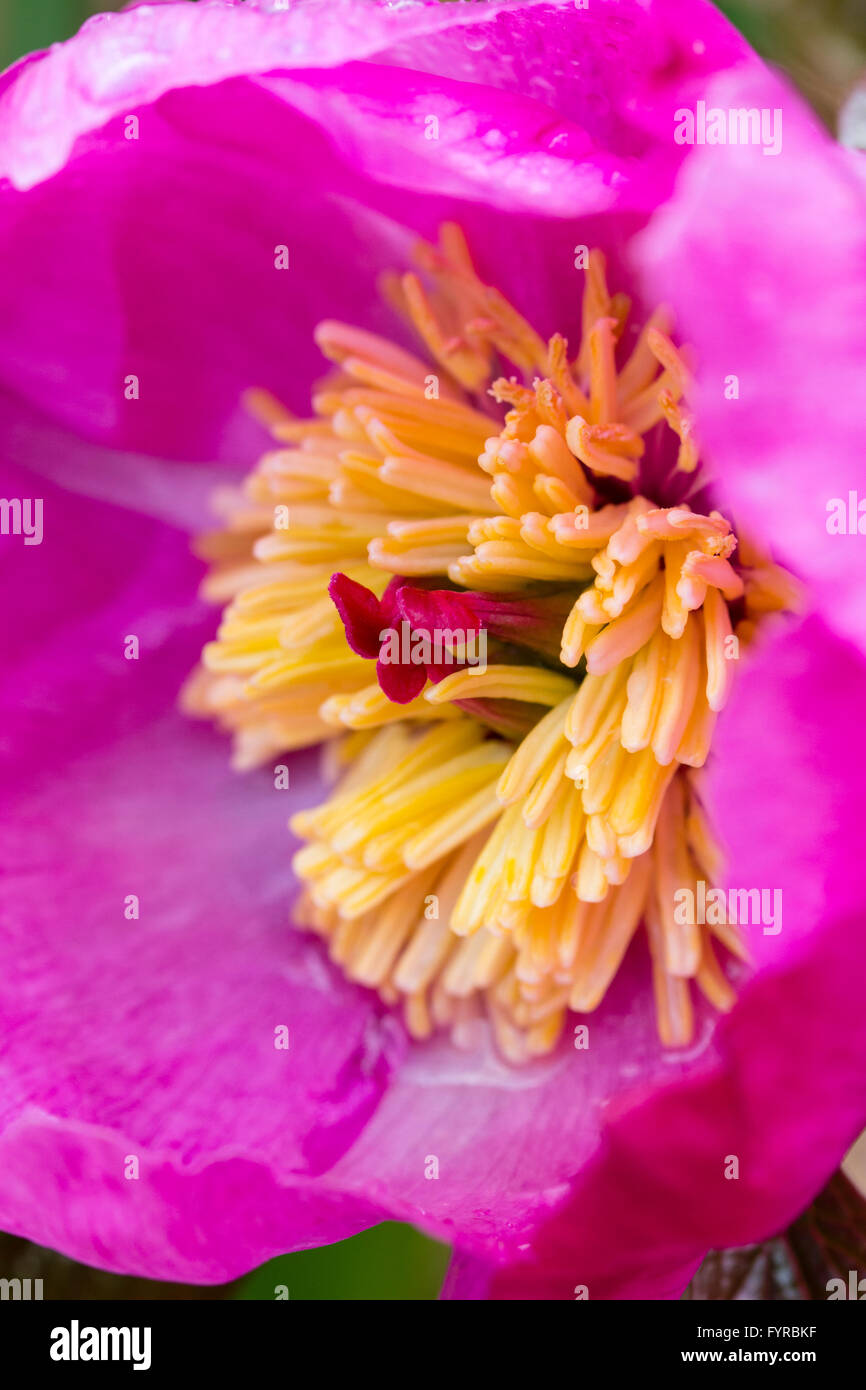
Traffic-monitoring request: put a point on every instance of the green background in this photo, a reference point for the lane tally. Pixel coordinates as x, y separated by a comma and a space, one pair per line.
822, 45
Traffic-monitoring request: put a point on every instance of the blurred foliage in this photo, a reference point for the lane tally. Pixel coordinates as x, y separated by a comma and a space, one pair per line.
26, 25
822, 45
389, 1262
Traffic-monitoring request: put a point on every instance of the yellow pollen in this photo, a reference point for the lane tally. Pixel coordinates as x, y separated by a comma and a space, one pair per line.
490, 850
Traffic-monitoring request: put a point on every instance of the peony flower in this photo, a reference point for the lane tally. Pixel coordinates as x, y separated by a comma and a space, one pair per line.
617, 396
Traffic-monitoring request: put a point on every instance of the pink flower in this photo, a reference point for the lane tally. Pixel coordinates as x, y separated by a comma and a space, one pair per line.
189, 1087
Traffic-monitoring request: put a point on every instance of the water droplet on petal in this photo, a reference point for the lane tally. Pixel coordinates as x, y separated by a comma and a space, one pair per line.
475, 38
494, 139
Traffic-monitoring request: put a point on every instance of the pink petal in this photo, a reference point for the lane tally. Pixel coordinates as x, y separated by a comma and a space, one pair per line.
305, 128
763, 260
155, 1038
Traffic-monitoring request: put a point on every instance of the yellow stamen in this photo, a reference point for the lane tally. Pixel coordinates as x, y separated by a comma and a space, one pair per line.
460, 868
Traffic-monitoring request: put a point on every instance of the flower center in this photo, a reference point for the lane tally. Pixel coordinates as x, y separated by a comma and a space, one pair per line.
497, 834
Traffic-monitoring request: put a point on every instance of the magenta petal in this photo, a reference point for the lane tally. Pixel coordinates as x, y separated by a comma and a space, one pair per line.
180, 494
153, 1038
244, 114
762, 258
106, 338
121, 62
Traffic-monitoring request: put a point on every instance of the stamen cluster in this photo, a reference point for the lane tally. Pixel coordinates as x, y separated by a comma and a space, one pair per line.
493, 844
